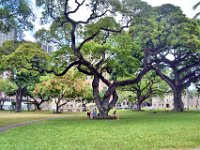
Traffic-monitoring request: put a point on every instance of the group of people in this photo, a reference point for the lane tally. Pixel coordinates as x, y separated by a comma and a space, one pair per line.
92, 113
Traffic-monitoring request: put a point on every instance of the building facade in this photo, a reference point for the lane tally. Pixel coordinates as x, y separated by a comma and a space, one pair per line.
7, 36
190, 102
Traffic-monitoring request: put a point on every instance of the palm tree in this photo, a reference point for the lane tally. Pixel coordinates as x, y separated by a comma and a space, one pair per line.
195, 7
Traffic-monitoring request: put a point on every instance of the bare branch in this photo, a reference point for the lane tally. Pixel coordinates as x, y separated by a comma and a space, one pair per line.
59, 74
77, 8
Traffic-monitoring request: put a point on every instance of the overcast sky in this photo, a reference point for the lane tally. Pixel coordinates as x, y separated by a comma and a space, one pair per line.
186, 6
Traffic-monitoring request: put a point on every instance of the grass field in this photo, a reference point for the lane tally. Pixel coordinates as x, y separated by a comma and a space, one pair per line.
134, 131
9, 118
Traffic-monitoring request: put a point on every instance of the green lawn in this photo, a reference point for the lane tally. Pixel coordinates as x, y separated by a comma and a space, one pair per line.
134, 131
9, 118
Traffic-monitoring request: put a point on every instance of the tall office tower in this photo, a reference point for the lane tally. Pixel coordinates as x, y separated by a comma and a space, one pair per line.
49, 47
7, 36
12, 35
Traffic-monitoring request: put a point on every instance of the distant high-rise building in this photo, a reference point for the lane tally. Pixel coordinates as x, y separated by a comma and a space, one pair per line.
12, 35
49, 47
7, 36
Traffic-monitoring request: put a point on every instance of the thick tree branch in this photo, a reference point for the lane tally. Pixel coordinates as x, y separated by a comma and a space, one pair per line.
94, 16
188, 67
84, 71
77, 8
59, 74
88, 39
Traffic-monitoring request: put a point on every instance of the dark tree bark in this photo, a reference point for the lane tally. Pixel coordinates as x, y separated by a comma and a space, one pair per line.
37, 103
139, 106
1, 105
177, 87
2, 100
58, 104
178, 103
19, 96
37, 106
109, 100
57, 107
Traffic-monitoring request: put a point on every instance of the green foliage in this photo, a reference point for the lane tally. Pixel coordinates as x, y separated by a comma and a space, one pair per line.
68, 86
88, 94
27, 56
8, 87
150, 85
56, 33
61, 58
15, 14
8, 47
125, 57
20, 60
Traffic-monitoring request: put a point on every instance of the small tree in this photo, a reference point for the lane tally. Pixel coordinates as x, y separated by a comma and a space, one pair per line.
69, 87
62, 89
19, 63
150, 85
40, 93
7, 88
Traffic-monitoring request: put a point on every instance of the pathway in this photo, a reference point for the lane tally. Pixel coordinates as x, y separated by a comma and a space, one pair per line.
5, 128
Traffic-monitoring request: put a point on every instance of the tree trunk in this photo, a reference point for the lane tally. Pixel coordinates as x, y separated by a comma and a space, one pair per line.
1, 104
178, 104
37, 106
19, 96
28, 104
139, 105
109, 100
102, 111
197, 103
57, 107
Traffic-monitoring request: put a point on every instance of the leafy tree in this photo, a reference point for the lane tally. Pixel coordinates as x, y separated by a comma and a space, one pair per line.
8, 88
150, 85
15, 14
87, 95
97, 28
62, 88
39, 93
19, 64
172, 43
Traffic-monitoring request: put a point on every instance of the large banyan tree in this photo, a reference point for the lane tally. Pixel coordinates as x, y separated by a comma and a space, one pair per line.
172, 42
94, 44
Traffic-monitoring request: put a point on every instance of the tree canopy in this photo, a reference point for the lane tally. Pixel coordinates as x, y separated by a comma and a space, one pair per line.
15, 14
172, 42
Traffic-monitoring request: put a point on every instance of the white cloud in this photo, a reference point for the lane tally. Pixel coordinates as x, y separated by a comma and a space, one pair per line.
28, 36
